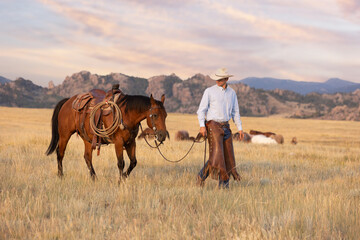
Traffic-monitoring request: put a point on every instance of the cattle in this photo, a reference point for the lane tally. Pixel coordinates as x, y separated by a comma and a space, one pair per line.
267, 134
260, 137
148, 133
294, 141
278, 138
246, 139
183, 135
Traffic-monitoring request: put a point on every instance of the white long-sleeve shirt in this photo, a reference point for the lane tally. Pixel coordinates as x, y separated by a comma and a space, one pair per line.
220, 105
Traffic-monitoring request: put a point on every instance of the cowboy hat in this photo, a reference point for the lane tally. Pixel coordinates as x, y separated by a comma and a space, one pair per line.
221, 73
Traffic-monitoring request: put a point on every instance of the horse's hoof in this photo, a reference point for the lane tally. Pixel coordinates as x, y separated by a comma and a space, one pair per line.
237, 178
93, 177
200, 182
121, 181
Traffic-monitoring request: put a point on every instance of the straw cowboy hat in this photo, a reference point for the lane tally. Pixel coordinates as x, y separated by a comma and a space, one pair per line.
220, 74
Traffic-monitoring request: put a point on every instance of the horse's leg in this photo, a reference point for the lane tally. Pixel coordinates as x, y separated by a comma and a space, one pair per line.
120, 159
65, 124
130, 150
60, 151
88, 159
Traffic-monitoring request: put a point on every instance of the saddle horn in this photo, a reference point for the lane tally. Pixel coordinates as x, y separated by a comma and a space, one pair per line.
115, 88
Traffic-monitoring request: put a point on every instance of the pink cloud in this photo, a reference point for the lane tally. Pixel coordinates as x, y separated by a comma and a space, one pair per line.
277, 30
349, 6
93, 22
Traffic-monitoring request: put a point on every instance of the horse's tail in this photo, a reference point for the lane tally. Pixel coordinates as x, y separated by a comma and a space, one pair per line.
54, 125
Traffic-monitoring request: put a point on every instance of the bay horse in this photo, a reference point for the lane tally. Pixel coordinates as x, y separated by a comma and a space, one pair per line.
134, 109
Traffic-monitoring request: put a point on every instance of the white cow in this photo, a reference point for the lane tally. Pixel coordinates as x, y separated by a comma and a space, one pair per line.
261, 139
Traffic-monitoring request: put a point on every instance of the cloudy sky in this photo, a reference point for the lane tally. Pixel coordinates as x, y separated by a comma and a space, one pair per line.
303, 40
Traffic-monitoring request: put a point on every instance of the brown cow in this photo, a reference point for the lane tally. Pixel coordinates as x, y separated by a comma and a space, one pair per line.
183, 135
267, 134
278, 138
148, 133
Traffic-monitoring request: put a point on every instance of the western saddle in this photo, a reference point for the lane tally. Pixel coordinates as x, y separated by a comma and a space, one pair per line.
84, 105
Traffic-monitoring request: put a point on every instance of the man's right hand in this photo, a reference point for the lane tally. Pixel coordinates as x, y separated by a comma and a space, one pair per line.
203, 131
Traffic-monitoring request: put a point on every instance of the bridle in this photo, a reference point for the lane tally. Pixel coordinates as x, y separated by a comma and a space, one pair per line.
151, 115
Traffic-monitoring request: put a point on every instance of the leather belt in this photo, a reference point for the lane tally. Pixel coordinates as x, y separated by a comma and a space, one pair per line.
222, 124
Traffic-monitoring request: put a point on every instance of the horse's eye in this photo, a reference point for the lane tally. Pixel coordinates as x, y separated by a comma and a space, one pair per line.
155, 115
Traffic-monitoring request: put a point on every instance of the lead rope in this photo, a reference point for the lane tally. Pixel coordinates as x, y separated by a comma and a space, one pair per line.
205, 153
176, 161
145, 138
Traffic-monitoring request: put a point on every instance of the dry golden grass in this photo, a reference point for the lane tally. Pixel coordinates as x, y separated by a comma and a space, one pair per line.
309, 190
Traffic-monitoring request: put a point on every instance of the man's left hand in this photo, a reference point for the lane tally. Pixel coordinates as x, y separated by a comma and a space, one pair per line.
241, 135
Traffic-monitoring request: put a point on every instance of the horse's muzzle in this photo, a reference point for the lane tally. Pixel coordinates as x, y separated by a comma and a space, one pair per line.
161, 135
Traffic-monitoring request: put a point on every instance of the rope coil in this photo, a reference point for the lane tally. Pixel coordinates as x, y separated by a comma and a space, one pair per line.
102, 131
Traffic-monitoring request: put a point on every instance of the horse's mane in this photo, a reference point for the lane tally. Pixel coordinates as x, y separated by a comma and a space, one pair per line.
137, 103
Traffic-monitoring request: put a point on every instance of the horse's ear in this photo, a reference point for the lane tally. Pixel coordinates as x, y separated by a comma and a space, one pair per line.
152, 100
163, 98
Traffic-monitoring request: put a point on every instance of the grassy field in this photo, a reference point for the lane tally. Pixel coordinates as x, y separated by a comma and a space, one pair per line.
306, 191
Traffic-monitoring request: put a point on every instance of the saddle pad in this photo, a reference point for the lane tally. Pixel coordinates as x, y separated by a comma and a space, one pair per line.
81, 101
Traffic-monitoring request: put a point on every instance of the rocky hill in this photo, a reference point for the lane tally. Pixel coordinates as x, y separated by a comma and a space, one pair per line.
23, 93
4, 80
84, 81
184, 96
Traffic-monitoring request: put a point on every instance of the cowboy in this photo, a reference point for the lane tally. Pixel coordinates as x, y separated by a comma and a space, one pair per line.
218, 105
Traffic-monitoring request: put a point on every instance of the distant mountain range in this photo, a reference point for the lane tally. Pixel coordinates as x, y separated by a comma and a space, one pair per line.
183, 96
24, 93
333, 85
4, 80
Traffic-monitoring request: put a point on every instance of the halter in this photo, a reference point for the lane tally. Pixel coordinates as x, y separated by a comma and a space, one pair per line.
151, 115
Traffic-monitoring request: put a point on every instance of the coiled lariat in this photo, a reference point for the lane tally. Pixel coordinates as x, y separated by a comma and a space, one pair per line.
117, 118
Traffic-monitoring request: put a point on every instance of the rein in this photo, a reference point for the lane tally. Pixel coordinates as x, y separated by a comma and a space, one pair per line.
178, 160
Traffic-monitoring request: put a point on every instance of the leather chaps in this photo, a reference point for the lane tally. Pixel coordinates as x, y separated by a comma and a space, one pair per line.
222, 159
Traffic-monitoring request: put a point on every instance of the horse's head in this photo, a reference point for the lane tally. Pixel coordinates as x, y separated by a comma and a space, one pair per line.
156, 118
